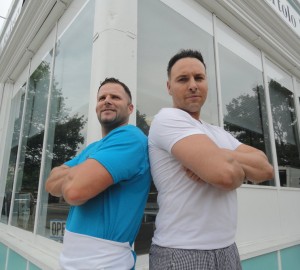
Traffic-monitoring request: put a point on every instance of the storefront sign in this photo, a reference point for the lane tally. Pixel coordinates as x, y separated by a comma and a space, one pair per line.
287, 13
57, 229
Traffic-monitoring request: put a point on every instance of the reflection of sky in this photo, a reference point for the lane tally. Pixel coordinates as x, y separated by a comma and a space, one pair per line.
73, 60
278, 75
158, 41
237, 77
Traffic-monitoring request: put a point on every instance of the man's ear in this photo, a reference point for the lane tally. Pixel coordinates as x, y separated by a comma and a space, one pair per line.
130, 108
169, 88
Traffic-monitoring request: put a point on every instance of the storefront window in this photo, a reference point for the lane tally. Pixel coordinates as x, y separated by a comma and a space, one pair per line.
30, 154
158, 41
242, 91
14, 129
285, 126
298, 92
68, 112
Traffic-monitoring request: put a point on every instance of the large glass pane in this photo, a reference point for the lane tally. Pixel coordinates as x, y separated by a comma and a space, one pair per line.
158, 40
298, 92
68, 113
9, 166
26, 187
243, 99
285, 126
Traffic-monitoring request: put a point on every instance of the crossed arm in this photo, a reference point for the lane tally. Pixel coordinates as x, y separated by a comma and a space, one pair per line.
79, 183
223, 168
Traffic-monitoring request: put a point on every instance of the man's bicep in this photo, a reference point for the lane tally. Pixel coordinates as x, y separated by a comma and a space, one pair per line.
209, 162
197, 153
95, 175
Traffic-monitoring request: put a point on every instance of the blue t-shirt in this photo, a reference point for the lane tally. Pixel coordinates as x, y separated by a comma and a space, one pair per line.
116, 213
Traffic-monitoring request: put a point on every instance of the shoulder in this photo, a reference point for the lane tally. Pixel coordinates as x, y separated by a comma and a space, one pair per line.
171, 117
213, 127
222, 135
128, 134
124, 130
132, 131
171, 113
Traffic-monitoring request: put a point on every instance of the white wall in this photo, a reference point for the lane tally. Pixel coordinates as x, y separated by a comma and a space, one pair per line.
268, 219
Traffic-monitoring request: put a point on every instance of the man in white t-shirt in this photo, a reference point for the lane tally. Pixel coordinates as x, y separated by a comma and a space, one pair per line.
196, 168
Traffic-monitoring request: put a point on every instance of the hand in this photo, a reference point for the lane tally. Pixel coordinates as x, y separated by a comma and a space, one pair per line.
192, 175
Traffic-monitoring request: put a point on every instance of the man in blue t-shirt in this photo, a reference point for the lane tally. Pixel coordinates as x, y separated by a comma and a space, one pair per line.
107, 186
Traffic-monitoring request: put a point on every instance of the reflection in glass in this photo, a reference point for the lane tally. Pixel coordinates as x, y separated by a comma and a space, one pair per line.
31, 147
286, 134
158, 40
244, 106
68, 113
14, 130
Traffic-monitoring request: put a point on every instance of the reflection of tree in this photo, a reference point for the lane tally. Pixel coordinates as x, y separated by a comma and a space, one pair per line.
67, 134
67, 139
245, 116
246, 119
285, 125
141, 122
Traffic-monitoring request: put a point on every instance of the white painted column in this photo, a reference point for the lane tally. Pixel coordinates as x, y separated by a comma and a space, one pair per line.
114, 53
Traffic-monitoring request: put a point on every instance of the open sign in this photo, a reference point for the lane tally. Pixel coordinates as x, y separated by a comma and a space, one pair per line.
57, 228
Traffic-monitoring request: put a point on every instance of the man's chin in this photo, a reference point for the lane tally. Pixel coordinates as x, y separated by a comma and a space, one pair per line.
107, 120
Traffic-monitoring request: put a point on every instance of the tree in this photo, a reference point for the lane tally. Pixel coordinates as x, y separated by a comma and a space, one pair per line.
142, 123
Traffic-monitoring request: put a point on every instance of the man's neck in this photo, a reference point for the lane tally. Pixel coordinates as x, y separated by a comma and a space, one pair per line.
106, 130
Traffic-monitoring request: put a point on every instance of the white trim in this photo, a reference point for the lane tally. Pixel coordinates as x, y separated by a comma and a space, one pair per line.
44, 256
297, 105
279, 260
192, 12
218, 77
258, 248
270, 118
19, 152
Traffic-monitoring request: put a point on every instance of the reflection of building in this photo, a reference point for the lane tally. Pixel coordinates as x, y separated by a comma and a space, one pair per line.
47, 100
289, 177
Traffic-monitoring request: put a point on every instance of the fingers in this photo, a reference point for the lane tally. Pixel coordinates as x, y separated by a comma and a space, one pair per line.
192, 175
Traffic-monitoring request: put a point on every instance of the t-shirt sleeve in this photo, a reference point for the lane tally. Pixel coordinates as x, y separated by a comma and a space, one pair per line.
81, 157
123, 154
233, 141
170, 126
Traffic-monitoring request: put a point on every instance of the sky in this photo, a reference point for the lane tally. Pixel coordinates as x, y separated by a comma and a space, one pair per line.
4, 7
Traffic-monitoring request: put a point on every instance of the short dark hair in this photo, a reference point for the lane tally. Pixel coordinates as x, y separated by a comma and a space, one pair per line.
114, 80
184, 54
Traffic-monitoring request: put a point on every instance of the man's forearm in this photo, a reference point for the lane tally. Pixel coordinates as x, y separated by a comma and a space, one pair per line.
56, 179
254, 163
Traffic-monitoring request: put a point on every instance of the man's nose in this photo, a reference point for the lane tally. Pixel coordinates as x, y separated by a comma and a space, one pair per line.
107, 100
193, 85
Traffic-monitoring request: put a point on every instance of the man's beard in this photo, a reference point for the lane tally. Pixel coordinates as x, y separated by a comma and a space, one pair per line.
111, 124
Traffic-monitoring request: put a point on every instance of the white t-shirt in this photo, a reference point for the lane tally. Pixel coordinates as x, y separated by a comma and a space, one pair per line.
192, 215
